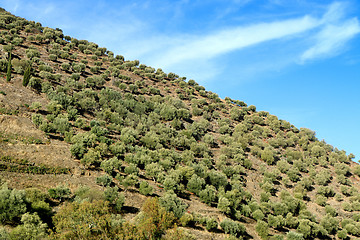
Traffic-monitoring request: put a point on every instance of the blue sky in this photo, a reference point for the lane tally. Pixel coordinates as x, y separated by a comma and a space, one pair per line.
297, 59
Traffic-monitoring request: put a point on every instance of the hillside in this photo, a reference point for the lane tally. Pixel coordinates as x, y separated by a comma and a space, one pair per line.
94, 146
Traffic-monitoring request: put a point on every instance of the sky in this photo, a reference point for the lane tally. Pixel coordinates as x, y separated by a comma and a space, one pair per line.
296, 59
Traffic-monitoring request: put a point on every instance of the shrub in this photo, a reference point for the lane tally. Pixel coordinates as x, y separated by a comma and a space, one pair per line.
231, 227
186, 219
195, 184
294, 236
53, 57
31, 228
12, 204
65, 66
83, 221
262, 228
91, 157
114, 198
104, 180
37, 119
224, 205
145, 188
342, 234
32, 53
60, 192
35, 83
211, 224
258, 215
330, 224
154, 219
276, 221
173, 204
321, 200
268, 156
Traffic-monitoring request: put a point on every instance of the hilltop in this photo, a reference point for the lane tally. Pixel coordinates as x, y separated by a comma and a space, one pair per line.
97, 146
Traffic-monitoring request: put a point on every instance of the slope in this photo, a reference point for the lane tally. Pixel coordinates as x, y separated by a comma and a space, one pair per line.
84, 129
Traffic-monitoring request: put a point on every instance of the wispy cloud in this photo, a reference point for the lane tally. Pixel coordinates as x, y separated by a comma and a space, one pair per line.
334, 34
324, 37
225, 41
331, 40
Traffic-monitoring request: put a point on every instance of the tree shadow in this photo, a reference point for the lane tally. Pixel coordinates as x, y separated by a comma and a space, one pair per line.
130, 209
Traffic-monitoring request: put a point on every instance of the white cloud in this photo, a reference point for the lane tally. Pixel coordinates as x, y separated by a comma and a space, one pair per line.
331, 40
333, 35
210, 46
317, 37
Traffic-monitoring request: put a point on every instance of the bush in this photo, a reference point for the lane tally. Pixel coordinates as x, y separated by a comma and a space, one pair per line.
83, 221
330, 224
65, 66
262, 228
294, 236
276, 221
154, 219
12, 204
173, 204
60, 192
258, 215
231, 227
321, 200
186, 219
104, 180
35, 83
31, 228
208, 195
342, 234
145, 188
224, 205
37, 119
53, 57
211, 224
268, 156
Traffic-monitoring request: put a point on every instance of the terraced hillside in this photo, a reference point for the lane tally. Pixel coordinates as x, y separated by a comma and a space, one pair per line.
94, 146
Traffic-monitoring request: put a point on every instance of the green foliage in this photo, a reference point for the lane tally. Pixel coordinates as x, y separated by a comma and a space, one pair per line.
37, 119
9, 68
276, 221
154, 219
294, 236
342, 234
258, 215
4, 234
27, 75
12, 204
145, 188
262, 228
231, 227
84, 193
224, 205
31, 228
330, 224
268, 156
32, 53
186, 220
35, 83
104, 180
60, 192
208, 195
83, 221
211, 224
92, 157
115, 198
173, 204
